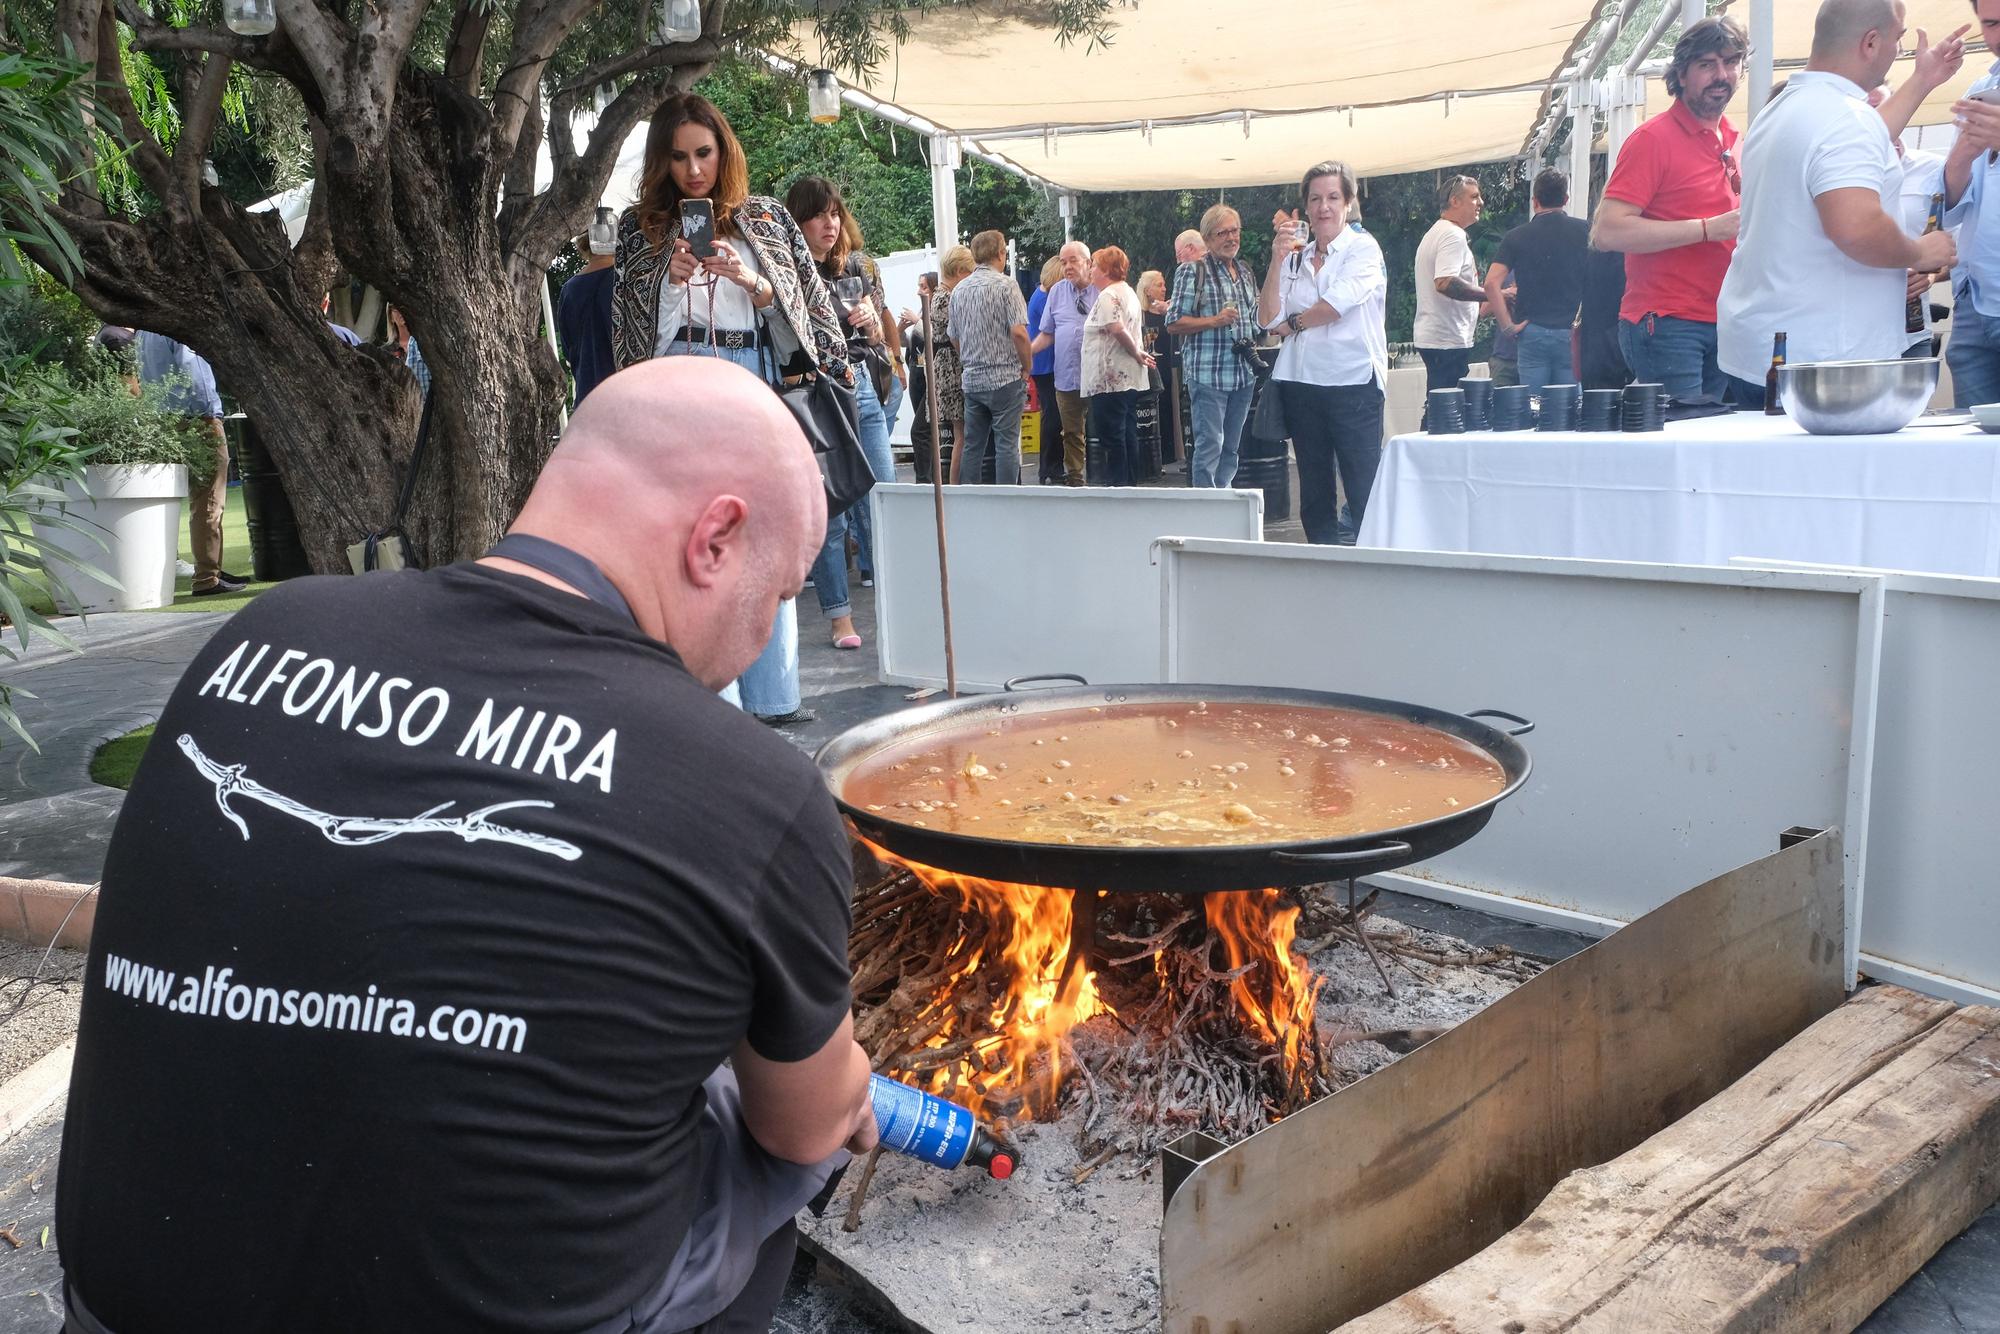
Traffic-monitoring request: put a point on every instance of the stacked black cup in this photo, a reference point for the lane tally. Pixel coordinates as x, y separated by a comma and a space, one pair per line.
1511, 410
1600, 410
1478, 402
1562, 405
1444, 412
1644, 408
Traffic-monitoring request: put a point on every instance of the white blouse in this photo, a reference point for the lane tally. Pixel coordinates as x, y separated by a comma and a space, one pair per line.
1107, 367
731, 308
1354, 347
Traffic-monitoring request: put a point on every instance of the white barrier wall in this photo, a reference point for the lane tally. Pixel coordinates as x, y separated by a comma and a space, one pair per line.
1043, 578
1685, 715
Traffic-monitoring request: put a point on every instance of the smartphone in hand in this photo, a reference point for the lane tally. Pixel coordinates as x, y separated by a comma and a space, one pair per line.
698, 226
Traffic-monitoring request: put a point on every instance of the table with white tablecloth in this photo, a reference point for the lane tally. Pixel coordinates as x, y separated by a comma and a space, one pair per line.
1698, 493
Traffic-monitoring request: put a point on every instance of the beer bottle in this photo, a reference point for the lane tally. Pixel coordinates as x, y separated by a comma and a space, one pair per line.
1913, 312
942, 1133
1772, 407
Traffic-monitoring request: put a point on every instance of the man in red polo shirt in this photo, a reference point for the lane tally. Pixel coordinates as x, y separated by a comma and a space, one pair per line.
1670, 207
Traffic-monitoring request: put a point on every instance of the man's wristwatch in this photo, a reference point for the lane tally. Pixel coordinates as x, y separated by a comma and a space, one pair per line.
1297, 322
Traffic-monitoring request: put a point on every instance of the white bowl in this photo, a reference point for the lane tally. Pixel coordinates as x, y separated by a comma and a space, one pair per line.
1988, 416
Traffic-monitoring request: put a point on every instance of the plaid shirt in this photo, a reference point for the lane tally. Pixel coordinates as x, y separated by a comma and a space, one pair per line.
1202, 288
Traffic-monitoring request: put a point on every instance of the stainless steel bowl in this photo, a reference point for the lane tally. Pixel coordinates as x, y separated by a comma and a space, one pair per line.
1857, 397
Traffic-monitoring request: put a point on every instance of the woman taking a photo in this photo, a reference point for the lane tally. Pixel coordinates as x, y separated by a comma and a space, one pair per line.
754, 299
944, 367
1324, 297
822, 216
1115, 363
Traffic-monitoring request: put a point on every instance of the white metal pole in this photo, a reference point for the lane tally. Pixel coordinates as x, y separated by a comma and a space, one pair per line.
1692, 12
1582, 128
944, 191
549, 323
1762, 38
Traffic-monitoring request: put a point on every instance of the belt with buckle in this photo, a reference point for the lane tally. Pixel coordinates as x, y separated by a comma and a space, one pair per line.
737, 340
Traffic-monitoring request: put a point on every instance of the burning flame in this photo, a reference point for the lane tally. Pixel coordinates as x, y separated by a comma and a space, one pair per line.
998, 1045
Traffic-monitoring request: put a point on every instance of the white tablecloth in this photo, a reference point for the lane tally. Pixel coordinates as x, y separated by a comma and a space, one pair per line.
1698, 493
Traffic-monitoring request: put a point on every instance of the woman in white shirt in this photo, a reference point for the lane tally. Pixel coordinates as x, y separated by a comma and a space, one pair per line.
1115, 363
1324, 297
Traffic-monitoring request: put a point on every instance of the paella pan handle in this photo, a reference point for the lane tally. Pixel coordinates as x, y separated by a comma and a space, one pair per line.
1392, 848
1523, 730
1012, 681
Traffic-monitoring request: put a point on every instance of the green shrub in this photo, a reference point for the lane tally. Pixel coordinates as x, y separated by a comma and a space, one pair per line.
118, 428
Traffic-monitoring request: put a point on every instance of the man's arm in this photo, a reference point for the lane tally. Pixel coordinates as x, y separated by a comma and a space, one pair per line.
1620, 227
801, 1111
1460, 290
1933, 65
1019, 333
1495, 294
1452, 260
1856, 222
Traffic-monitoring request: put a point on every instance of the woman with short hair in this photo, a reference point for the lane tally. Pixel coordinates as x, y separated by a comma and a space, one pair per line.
1324, 296
755, 300
1115, 363
953, 269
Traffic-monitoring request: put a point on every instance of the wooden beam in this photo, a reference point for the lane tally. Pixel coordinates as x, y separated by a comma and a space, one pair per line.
1799, 1198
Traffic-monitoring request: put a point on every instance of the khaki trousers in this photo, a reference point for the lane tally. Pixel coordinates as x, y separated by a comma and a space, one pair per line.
1075, 419
205, 515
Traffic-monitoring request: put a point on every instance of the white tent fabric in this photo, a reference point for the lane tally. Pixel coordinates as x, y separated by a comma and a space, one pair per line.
1376, 141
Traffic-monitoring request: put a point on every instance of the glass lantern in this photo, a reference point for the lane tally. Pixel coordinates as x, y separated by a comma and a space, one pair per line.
604, 233
680, 21
250, 18
823, 96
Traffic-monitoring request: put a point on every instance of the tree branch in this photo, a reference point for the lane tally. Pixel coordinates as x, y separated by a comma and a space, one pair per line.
313, 260
465, 55
538, 31
93, 22
321, 40
388, 28
198, 123
518, 183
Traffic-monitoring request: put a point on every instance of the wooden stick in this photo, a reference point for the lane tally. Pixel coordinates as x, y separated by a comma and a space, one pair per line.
937, 498
852, 1222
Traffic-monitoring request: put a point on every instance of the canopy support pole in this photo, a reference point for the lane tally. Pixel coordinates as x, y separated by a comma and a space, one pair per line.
1582, 128
1692, 12
944, 190
1762, 36
1627, 107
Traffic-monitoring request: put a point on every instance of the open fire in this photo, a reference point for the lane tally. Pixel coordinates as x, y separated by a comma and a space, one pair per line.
1199, 1016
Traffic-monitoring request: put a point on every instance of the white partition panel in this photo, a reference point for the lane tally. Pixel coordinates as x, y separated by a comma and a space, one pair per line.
1685, 715
1043, 578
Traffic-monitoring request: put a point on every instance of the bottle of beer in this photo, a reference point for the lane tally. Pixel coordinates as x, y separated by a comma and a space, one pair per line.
942, 1133
1772, 407
1913, 313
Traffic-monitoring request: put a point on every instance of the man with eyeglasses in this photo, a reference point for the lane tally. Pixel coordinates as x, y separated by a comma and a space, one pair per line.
1824, 258
1670, 208
1214, 314
1068, 307
1448, 291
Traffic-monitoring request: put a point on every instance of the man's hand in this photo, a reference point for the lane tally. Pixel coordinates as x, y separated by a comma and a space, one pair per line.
1978, 123
1225, 317
1724, 226
1933, 65
1916, 283
1936, 252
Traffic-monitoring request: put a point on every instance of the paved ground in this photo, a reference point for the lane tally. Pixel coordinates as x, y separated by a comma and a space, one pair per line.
54, 823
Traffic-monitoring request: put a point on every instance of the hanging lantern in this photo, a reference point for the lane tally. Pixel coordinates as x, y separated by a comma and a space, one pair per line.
680, 21
250, 18
601, 100
604, 233
823, 96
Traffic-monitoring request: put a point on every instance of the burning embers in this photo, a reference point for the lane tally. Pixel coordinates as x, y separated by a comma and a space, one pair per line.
1200, 1017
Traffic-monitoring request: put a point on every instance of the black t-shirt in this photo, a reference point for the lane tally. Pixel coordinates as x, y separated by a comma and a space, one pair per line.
1545, 255
434, 900
583, 327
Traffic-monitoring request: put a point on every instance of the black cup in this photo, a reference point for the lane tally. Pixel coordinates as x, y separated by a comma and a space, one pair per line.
1444, 412
1511, 410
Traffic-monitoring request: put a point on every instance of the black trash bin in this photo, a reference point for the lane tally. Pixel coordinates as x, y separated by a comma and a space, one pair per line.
275, 550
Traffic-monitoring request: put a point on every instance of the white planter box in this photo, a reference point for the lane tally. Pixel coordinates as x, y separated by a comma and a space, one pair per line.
136, 512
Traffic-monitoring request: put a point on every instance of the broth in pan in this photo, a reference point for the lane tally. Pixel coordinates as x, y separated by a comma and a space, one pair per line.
1175, 775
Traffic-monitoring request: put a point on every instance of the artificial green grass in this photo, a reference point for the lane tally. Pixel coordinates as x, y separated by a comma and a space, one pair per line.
235, 559
118, 759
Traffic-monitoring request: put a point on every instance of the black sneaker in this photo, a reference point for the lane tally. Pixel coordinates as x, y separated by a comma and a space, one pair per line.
234, 578
223, 584
798, 715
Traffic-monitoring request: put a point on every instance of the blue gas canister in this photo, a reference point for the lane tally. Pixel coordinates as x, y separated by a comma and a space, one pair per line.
942, 1133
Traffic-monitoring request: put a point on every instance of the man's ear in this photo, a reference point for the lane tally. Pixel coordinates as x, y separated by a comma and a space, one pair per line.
716, 539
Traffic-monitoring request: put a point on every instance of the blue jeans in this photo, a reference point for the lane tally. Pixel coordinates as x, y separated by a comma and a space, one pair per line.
770, 685
1219, 415
829, 571
993, 421
1678, 354
1116, 417
1973, 353
1544, 358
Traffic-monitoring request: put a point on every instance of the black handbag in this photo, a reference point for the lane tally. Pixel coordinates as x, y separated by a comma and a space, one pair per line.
1267, 422
826, 412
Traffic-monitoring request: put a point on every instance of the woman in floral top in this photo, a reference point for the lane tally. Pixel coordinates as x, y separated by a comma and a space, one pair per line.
756, 300
1115, 363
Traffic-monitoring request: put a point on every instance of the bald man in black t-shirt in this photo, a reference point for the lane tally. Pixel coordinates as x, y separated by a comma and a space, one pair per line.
439, 904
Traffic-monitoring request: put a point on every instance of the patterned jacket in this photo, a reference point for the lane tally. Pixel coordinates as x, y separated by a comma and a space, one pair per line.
803, 304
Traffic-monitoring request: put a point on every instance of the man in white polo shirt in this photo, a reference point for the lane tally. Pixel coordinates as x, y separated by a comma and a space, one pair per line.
1821, 256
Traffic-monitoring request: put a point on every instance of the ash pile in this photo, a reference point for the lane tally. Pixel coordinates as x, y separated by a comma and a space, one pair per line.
1220, 1013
